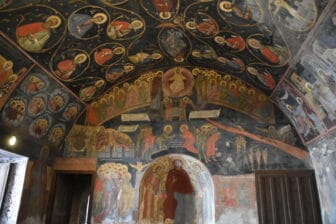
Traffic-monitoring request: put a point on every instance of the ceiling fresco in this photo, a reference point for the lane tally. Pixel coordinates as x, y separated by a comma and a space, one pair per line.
130, 65
101, 43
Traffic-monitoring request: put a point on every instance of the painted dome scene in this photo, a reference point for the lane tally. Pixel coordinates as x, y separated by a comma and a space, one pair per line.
168, 111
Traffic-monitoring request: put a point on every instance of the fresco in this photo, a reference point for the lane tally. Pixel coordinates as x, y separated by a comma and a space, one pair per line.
306, 121
114, 194
294, 19
41, 107
323, 155
314, 75
82, 42
236, 201
227, 147
117, 200
36, 189
183, 89
10, 72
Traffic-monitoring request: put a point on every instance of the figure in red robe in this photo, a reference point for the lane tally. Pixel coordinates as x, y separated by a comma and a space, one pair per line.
189, 139
208, 27
67, 67
235, 42
179, 204
268, 52
163, 5
103, 55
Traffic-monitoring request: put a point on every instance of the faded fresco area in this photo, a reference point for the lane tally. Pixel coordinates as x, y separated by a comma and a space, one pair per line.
308, 97
235, 199
323, 155
173, 188
36, 189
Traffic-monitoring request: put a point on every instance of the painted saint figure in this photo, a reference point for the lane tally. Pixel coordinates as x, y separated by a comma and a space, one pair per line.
6, 71
165, 137
36, 105
15, 110
33, 36
232, 7
174, 43
120, 29
89, 92
80, 24
115, 72
103, 55
264, 77
233, 42
235, 64
56, 103
164, 7
179, 206
273, 55
67, 67
33, 84
189, 139
177, 81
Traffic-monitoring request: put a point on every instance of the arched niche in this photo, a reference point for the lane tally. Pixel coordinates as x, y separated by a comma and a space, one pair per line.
158, 186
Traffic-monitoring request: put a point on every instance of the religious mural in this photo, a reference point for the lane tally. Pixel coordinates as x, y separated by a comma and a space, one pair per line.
222, 146
160, 198
41, 107
236, 202
323, 156
94, 40
136, 80
10, 72
182, 89
304, 118
314, 75
113, 195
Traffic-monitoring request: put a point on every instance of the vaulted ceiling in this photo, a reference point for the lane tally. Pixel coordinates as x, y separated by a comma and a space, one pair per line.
114, 62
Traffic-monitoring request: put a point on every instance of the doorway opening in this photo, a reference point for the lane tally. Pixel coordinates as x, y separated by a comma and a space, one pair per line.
71, 202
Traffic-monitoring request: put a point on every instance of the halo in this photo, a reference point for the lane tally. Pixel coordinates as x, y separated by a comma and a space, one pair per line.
156, 56
222, 59
227, 77
242, 89
137, 24
12, 78
191, 25
8, 64
57, 19
233, 86
165, 15
309, 86
219, 39
251, 92
223, 83
254, 43
129, 67
99, 83
179, 59
289, 107
226, 6
252, 70
102, 15
118, 50
262, 97
196, 54
80, 58
299, 100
